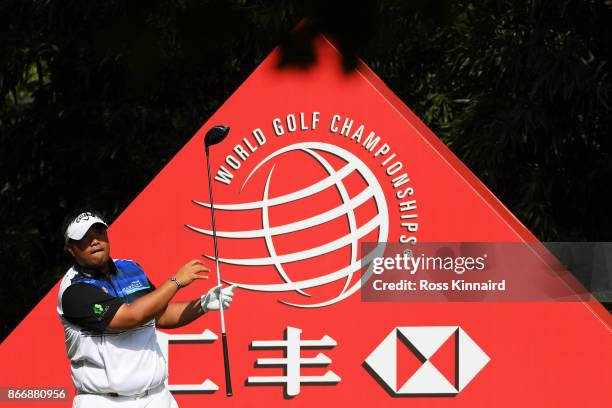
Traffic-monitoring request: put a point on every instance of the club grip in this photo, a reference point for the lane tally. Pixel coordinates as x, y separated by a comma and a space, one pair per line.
228, 378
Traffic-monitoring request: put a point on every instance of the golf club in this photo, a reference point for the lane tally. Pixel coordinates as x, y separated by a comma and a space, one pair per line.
214, 136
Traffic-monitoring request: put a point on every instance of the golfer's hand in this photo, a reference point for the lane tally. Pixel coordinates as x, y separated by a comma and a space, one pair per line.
191, 271
217, 297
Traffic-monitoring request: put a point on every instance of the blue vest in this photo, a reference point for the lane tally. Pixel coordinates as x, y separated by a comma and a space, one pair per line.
127, 282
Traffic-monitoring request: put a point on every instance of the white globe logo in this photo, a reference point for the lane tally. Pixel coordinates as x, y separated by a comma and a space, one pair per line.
379, 222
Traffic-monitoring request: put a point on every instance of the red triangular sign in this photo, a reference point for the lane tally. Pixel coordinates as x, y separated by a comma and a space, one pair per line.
318, 162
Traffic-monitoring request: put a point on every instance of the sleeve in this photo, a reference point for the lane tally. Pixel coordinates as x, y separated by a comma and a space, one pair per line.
89, 307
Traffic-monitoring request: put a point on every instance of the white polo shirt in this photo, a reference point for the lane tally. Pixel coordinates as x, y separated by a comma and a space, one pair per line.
128, 362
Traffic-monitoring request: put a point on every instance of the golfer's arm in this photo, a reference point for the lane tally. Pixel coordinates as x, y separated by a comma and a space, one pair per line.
143, 309
179, 314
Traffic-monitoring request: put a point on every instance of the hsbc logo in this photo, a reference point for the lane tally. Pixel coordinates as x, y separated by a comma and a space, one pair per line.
409, 361
426, 361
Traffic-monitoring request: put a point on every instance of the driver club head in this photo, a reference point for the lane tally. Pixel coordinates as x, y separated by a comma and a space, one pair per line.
216, 135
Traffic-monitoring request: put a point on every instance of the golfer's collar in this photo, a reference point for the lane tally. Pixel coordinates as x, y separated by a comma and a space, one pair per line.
94, 273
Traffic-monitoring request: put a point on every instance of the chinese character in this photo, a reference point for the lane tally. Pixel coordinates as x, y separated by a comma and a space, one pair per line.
164, 340
292, 362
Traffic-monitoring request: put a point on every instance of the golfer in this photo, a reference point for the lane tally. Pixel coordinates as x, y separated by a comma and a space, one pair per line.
110, 309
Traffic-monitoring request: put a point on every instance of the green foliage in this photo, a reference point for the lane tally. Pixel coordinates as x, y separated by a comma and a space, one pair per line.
520, 91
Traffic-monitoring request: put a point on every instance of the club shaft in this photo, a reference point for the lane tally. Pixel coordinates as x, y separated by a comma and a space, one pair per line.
228, 378
214, 230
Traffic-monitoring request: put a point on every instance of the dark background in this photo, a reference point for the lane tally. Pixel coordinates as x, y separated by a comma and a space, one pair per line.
96, 97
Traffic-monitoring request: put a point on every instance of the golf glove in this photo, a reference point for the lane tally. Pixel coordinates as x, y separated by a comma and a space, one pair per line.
216, 297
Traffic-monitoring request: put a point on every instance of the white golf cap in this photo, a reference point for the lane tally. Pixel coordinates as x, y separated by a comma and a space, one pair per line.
81, 224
